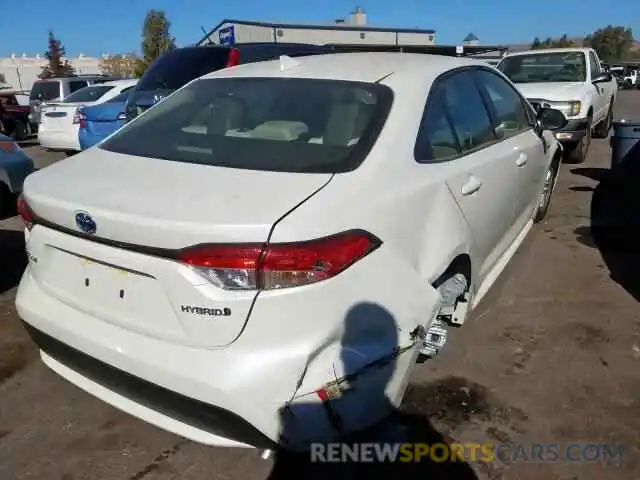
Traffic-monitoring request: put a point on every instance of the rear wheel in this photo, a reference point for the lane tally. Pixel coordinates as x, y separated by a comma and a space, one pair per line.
19, 132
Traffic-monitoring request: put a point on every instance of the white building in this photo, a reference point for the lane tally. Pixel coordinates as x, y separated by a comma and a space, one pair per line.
20, 71
352, 31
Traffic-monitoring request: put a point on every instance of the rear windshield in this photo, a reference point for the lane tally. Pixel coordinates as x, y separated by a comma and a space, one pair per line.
45, 91
122, 98
177, 68
88, 94
269, 124
545, 67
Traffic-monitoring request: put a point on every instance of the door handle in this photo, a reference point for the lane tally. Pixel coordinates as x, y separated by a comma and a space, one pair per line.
522, 160
471, 187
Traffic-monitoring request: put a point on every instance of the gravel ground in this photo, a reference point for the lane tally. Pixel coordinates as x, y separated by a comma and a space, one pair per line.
550, 356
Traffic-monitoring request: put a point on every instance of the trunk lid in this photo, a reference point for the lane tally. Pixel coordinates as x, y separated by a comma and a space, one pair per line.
153, 204
57, 117
102, 120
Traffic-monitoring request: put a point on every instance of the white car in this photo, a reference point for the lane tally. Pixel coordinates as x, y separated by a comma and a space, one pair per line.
262, 257
60, 121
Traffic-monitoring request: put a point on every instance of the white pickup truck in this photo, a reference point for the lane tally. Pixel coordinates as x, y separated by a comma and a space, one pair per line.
573, 81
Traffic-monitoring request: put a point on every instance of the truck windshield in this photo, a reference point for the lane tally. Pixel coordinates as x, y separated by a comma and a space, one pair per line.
545, 67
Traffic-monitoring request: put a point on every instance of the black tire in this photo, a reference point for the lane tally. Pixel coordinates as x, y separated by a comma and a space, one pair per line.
19, 132
578, 153
544, 200
602, 129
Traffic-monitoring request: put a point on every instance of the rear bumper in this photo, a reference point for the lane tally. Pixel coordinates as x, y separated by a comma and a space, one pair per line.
256, 392
59, 140
573, 132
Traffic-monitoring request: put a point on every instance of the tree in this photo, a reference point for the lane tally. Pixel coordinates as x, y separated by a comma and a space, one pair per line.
156, 40
611, 43
119, 65
562, 42
56, 65
3, 79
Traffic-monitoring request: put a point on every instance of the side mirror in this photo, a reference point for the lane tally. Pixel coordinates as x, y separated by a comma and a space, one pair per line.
604, 77
551, 119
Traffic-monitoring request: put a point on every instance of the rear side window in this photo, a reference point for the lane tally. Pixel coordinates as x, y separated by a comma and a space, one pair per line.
177, 68
436, 141
43, 91
88, 94
269, 124
122, 98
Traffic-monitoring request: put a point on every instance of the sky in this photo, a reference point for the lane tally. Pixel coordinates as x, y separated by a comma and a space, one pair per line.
94, 27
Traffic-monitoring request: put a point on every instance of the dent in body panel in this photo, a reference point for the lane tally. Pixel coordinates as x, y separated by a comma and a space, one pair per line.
366, 367
437, 253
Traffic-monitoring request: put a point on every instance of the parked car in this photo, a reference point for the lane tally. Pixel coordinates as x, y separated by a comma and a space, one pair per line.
571, 80
60, 122
14, 116
15, 165
56, 88
178, 67
265, 254
97, 122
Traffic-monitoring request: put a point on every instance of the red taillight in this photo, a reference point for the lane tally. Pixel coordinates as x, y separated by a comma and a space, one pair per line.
79, 118
234, 58
25, 212
284, 265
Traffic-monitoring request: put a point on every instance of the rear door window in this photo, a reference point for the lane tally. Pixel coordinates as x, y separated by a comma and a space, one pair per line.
177, 68
510, 116
468, 112
270, 124
44, 91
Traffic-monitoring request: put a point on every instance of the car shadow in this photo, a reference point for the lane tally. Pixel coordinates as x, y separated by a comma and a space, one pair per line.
13, 258
615, 219
366, 323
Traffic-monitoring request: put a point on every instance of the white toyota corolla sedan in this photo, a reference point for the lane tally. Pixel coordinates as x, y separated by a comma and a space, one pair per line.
261, 258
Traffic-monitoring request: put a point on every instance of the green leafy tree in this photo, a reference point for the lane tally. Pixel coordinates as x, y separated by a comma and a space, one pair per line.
536, 44
156, 40
611, 43
56, 65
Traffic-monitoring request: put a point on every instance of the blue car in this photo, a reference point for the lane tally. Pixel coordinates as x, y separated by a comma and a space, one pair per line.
15, 165
97, 122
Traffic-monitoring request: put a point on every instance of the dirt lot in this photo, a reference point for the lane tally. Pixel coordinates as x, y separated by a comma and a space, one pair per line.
551, 356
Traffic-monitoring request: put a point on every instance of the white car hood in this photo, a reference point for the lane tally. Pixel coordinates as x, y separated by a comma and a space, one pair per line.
555, 92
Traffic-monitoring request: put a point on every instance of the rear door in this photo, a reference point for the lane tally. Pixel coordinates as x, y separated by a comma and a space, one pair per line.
484, 179
514, 128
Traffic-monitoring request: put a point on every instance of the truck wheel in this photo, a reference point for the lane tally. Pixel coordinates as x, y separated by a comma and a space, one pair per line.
19, 132
578, 154
602, 129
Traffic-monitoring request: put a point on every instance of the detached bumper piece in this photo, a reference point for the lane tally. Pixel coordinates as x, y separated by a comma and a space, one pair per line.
189, 411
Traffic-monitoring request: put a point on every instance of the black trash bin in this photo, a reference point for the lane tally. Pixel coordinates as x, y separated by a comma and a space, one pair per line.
625, 142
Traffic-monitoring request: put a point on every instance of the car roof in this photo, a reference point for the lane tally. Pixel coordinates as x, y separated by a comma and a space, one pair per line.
360, 66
